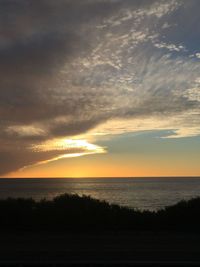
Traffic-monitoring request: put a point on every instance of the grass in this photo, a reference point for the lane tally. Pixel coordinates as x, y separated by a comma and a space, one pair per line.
68, 213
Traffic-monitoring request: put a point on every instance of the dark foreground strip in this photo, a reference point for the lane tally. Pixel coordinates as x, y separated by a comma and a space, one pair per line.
98, 264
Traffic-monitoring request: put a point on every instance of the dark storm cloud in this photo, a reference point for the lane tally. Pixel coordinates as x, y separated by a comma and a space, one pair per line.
68, 65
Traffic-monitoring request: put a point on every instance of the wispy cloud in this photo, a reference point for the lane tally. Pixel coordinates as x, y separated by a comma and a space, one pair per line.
67, 67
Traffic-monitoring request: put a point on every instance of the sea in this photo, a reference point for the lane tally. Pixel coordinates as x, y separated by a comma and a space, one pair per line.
139, 193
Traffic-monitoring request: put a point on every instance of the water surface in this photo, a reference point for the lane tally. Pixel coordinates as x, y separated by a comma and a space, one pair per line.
140, 193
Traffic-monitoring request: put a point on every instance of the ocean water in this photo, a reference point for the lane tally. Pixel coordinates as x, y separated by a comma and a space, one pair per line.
139, 193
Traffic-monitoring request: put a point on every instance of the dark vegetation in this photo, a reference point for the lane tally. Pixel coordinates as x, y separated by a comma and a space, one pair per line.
68, 213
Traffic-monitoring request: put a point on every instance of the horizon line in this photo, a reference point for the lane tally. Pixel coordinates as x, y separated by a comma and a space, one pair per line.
104, 177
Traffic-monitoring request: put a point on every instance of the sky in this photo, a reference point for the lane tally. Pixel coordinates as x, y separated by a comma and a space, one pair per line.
99, 88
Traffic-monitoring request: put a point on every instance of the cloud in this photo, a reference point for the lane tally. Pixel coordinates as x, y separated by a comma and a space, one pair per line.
17, 156
170, 47
197, 55
68, 66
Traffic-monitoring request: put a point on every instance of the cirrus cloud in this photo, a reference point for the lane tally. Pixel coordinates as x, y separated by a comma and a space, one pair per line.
68, 66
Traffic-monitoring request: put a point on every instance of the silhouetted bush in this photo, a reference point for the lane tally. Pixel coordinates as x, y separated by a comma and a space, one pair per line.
70, 213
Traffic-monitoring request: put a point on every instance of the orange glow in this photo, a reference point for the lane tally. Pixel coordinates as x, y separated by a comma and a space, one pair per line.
106, 166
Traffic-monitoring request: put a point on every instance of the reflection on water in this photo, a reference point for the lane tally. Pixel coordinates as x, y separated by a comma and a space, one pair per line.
141, 193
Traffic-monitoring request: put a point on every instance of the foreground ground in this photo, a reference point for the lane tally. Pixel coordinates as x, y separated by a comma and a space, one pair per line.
108, 249
80, 231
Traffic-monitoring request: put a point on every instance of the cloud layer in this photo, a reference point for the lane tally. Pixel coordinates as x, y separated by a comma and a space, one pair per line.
68, 66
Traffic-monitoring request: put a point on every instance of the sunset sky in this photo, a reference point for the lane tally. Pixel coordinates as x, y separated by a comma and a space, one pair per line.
99, 88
